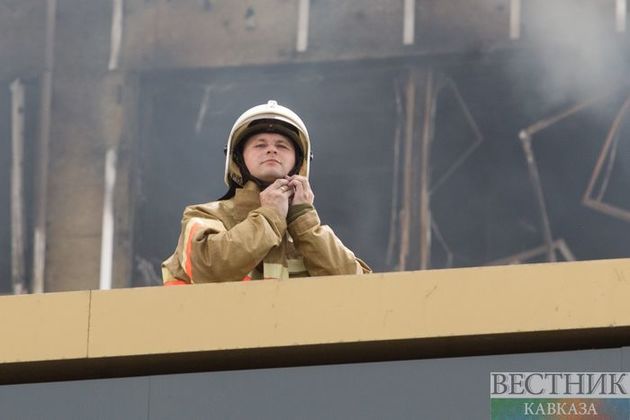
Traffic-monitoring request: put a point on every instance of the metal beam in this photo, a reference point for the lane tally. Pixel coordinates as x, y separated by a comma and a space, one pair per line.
621, 11
409, 22
405, 217
395, 215
515, 19
425, 173
559, 245
302, 29
41, 185
534, 175
18, 230
526, 138
116, 34
607, 152
107, 235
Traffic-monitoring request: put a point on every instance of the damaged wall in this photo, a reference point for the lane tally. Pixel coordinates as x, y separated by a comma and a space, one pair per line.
204, 44
91, 105
163, 34
86, 117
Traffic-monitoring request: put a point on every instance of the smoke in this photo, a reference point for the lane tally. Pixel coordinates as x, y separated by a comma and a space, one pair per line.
578, 50
575, 45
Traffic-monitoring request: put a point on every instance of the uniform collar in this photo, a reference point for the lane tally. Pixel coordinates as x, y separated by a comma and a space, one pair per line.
246, 199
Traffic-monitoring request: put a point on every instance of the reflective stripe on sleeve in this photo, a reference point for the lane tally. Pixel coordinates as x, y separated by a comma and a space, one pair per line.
192, 228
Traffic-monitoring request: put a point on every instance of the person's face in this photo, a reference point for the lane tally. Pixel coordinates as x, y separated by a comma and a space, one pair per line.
269, 156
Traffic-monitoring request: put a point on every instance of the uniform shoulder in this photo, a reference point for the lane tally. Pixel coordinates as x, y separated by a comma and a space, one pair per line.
213, 209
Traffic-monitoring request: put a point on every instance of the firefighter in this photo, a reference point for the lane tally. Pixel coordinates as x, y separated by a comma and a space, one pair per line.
265, 226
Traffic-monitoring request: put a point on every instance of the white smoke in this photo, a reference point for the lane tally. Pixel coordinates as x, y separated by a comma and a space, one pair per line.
576, 44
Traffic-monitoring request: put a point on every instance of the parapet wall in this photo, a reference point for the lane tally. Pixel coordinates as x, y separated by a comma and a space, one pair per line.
435, 313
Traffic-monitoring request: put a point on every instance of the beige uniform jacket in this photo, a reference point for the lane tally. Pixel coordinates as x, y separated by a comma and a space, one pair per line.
237, 239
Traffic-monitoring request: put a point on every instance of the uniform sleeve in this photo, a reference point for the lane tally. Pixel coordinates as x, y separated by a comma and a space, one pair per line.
323, 252
208, 252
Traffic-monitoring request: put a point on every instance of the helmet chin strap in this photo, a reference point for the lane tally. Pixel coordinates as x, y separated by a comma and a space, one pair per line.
264, 184
247, 176
261, 184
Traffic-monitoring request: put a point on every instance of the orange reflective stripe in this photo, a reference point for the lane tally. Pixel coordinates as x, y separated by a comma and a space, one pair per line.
175, 283
188, 250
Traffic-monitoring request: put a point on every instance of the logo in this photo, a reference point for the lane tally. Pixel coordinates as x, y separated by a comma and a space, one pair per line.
560, 395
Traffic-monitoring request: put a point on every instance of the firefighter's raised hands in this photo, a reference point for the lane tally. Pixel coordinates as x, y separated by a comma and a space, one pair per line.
277, 196
302, 192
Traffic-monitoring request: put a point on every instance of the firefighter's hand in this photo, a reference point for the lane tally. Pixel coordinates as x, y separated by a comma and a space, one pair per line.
303, 194
277, 196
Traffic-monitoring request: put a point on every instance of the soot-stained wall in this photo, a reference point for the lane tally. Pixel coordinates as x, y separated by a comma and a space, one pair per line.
30, 112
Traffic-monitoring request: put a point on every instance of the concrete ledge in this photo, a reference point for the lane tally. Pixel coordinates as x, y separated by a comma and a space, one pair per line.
40, 327
439, 313
380, 307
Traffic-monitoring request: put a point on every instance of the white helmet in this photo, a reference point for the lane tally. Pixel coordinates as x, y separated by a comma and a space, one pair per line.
269, 117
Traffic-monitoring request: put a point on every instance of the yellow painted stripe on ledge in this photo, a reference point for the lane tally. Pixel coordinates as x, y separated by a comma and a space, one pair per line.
341, 309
